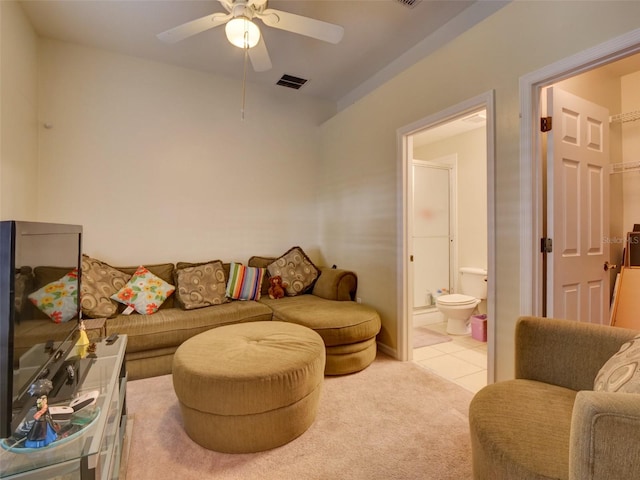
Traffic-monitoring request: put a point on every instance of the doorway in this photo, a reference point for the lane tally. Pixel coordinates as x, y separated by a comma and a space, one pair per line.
596, 75
480, 107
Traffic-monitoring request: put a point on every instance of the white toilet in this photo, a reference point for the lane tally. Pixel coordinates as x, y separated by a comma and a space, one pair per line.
458, 307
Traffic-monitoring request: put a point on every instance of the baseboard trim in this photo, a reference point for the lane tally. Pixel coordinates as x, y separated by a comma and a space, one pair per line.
392, 352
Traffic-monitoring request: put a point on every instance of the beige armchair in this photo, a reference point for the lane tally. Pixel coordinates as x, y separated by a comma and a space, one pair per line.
548, 423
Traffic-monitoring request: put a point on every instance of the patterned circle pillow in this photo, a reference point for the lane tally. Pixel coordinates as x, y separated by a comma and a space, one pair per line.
144, 291
296, 269
59, 299
99, 282
201, 285
621, 373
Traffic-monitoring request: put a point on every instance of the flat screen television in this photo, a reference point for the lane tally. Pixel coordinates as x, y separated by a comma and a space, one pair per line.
38, 265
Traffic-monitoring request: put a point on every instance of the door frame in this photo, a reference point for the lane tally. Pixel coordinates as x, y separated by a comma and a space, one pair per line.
405, 149
531, 176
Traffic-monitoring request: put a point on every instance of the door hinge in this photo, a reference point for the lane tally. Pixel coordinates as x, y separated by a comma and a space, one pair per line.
545, 124
546, 245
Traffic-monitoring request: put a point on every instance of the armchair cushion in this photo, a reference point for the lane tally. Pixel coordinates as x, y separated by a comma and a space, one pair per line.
516, 440
621, 373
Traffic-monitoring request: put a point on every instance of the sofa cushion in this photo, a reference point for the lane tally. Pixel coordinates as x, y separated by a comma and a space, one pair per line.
162, 270
621, 373
170, 327
244, 282
42, 275
296, 269
338, 323
523, 426
99, 282
144, 291
58, 299
201, 285
262, 262
225, 267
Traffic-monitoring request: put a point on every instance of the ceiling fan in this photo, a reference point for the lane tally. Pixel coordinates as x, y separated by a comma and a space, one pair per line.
244, 33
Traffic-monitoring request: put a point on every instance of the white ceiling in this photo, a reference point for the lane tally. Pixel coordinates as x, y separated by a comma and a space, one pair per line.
377, 34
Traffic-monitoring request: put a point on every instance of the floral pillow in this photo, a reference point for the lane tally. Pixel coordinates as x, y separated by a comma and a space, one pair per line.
144, 292
59, 299
296, 269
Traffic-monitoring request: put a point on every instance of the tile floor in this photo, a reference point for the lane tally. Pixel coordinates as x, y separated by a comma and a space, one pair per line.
463, 360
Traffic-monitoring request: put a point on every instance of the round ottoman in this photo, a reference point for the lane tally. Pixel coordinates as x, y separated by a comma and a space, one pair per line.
249, 387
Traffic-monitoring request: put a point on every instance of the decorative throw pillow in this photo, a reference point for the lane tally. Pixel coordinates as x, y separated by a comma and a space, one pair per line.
99, 282
621, 373
201, 285
244, 282
296, 269
59, 299
144, 291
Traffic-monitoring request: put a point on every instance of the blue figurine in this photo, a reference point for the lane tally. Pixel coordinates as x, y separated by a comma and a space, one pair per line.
44, 429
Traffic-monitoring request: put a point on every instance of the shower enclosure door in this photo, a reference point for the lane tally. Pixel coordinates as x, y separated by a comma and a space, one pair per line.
432, 239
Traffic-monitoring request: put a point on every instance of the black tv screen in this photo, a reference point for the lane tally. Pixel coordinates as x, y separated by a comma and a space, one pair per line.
40, 274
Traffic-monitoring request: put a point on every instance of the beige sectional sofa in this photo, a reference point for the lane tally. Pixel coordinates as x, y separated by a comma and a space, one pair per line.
348, 329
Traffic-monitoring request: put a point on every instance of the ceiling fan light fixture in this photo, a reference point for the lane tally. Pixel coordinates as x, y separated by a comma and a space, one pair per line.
242, 32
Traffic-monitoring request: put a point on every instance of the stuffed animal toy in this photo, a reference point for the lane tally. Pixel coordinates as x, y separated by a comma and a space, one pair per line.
276, 289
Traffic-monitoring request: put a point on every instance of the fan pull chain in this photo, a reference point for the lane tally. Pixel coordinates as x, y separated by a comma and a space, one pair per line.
244, 81
244, 74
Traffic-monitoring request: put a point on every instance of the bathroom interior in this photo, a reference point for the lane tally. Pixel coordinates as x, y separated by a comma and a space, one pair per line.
456, 160
449, 238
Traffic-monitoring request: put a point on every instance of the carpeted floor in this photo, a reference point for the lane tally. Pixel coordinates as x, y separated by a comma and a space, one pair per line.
393, 420
424, 337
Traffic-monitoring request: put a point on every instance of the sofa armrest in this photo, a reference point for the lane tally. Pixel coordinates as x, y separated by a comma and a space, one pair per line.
336, 284
605, 434
563, 352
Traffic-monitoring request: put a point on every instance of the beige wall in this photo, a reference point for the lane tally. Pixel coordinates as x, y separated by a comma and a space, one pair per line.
361, 198
18, 114
156, 164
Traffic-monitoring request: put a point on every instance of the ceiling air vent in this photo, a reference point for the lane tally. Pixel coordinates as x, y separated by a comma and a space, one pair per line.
291, 82
409, 3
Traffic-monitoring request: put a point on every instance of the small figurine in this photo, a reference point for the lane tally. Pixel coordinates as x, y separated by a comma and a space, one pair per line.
83, 341
44, 430
276, 288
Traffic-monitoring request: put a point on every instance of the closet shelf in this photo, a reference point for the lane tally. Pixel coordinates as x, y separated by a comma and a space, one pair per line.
625, 117
625, 167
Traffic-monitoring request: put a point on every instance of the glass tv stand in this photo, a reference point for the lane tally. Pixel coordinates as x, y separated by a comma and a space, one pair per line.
93, 452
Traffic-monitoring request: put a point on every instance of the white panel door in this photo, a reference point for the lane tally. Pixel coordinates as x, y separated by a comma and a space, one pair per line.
578, 208
431, 231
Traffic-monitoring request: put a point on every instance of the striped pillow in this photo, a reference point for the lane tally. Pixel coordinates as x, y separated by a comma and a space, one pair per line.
244, 282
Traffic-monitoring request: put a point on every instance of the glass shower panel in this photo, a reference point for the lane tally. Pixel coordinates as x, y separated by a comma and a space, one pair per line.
431, 232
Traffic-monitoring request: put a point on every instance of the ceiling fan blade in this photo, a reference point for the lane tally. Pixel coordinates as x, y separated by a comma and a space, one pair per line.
194, 27
309, 27
259, 57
